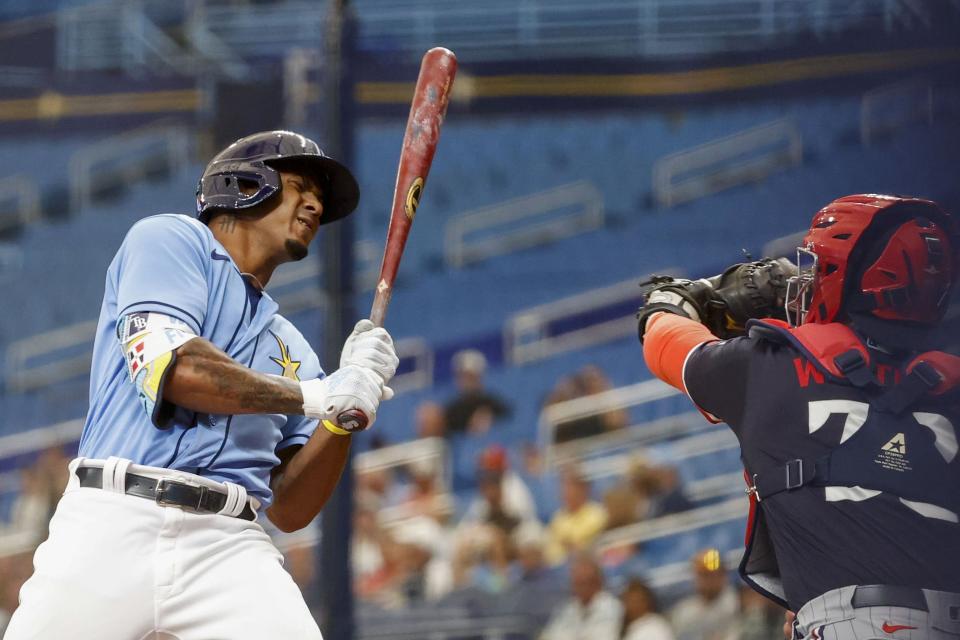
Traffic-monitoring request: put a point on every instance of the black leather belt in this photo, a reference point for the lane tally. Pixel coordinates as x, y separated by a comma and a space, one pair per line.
166, 492
884, 595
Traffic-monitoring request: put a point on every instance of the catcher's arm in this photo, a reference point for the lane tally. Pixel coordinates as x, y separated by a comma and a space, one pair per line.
680, 315
725, 302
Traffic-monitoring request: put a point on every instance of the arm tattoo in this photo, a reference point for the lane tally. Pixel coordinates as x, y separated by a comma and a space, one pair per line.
255, 392
258, 393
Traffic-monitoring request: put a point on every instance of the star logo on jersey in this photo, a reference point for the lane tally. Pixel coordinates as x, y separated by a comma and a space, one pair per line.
893, 455
897, 444
288, 365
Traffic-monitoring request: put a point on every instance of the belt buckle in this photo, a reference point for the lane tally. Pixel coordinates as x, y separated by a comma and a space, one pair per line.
161, 498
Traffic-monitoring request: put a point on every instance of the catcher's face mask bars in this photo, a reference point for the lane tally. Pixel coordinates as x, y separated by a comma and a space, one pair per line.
800, 287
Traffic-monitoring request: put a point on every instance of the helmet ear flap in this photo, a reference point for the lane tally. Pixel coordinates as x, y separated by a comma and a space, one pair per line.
237, 188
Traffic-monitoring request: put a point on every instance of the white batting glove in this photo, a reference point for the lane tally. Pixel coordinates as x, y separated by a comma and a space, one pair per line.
347, 388
371, 347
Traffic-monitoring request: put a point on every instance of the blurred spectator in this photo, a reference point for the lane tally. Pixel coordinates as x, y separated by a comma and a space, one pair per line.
594, 381
641, 614
622, 506
575, 525
429, 420
483, 560
16, 565
592, 613
41, 486
414, 567
475, 408
590, 380
366, 549
504, 498
425, 574
531, 564
759, 619
424, 495
378, 585
377, 488
659, 488
536, 589
710, 612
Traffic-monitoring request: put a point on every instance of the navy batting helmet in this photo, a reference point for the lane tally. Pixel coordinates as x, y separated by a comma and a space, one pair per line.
254, 161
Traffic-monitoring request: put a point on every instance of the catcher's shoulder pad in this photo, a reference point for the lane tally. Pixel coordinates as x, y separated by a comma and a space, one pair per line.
827, 346
839, 353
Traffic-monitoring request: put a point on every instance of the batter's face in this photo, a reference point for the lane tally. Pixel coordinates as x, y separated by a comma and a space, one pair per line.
292, 224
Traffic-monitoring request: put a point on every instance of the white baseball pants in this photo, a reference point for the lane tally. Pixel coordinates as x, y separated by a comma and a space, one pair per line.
833, 617
119, 567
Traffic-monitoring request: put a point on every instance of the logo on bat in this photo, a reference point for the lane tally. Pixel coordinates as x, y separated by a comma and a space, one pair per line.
413, 198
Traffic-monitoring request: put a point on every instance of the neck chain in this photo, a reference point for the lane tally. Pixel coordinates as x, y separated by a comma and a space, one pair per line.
255, 282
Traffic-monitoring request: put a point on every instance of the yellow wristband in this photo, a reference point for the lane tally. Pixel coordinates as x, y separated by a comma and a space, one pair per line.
334, 429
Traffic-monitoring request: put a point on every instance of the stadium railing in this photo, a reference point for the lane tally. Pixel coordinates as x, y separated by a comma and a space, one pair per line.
126, 157
655, 28
888, 108
131, 35
19, 202
521, 223
744, 157
599, 315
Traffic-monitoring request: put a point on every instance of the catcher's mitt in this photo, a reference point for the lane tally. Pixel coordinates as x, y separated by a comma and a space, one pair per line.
724, 302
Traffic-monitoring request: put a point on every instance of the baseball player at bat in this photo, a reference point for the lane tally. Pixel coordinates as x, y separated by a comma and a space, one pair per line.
206, 408
845, 412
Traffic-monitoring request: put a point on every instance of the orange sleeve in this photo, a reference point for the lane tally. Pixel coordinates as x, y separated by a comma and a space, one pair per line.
668, 341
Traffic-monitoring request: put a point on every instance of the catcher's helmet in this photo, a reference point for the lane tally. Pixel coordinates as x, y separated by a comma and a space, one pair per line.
255, 160
873, 257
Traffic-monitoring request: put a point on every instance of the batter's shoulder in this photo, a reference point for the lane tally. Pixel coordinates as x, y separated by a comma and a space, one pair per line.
287, 331
170, 225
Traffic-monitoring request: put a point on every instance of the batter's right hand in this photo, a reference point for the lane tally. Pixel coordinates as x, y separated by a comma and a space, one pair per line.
347, 388
372, 347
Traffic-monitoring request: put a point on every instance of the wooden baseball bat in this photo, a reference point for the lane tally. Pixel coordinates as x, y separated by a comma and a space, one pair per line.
430, 99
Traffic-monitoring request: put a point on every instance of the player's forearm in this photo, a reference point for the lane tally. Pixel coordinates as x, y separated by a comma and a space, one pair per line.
668, 341
308, 480
207, 380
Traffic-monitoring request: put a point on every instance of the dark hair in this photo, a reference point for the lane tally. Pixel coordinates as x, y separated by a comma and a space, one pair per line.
636, 584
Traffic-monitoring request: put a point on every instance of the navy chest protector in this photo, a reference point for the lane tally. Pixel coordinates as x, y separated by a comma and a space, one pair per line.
871, 457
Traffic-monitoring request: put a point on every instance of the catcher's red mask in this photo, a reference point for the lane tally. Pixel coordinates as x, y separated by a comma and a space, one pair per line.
889, 257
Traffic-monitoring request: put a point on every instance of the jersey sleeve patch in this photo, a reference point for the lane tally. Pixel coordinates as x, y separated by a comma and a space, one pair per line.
145, 337
149, 383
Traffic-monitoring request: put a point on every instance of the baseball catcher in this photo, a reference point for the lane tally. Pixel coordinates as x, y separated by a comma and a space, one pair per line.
846, 414
208, 410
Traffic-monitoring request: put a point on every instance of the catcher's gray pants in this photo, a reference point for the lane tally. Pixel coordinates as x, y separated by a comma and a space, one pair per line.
880, 613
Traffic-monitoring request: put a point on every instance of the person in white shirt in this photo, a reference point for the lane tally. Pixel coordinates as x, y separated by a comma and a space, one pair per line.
709, 613
592, 613
641, 614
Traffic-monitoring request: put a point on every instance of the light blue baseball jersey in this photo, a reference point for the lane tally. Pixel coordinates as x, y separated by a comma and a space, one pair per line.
172, 264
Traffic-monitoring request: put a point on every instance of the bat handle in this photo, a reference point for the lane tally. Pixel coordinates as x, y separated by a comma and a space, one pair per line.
353, 420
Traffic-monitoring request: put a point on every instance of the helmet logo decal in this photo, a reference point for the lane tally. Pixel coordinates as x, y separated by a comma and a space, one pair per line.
413, 198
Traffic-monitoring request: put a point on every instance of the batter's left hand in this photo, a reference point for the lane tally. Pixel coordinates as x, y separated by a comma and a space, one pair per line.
371, 347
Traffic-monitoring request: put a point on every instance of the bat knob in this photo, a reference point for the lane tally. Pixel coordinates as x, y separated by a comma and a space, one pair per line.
352, 420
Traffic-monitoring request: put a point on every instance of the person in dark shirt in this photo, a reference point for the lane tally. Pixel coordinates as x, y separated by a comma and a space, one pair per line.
475, 409
847, 422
